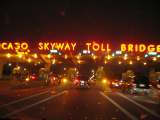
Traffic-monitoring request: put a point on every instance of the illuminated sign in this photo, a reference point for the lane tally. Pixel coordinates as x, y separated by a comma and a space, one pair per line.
14, 46
140, 48
73, 46
98, 47
59, 46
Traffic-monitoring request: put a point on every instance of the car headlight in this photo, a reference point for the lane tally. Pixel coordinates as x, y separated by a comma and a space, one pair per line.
27, 79
104, 81
64, 80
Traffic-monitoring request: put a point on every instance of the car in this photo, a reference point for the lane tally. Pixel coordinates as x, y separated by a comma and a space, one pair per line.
141, 85
115, 83
81, 81
53, 79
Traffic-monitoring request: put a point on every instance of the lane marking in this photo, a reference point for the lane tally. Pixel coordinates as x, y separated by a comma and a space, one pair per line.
132, 117
34, 104
25, 98
139, 105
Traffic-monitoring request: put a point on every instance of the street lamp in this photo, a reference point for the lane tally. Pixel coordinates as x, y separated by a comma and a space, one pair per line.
35, 56
8, 55
119, 62
29, 60
130, 62
144, 63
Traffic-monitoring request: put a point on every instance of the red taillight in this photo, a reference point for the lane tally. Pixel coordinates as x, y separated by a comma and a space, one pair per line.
33, 77
76, 81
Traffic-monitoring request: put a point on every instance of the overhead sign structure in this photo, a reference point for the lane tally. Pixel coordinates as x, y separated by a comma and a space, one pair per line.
73, 46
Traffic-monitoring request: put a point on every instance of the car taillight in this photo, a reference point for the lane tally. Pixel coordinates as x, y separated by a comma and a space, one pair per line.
33, 77
76, 81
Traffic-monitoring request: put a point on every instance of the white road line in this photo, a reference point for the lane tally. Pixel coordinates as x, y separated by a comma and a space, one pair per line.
25, 98
119, 107
32, 105
139, 105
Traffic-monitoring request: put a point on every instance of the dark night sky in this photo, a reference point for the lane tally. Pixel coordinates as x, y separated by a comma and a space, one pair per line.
80, 20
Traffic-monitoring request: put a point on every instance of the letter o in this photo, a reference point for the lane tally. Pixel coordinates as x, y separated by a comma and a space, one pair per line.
24, 46
95, 46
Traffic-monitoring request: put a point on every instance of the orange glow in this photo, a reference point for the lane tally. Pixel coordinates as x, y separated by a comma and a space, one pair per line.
65, 56
138, 58
8, 55
140, 48
119, 62
35, 56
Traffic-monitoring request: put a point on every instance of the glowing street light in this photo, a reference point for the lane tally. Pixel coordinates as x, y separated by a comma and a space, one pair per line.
125, 56
78, 57
138, 58
8, 55
53, 61
20, 55
154, 59
108, 57
144, 63
105, 61
65, 56
49, 56
94, 57
119, 62
130, 62
29, 60
35, 56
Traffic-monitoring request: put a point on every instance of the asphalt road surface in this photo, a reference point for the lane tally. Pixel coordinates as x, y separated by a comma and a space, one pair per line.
78, 104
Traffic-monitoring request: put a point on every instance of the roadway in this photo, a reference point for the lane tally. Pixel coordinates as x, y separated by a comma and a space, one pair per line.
77, 104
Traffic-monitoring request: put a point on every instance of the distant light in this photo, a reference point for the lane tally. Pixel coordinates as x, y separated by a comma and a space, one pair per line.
119, 62
113, 55
152, 53
65, 56
154, 59
138, 58
86, 52
125, 58
49, 56
144, 63
64, 68
9, 64
158, 56
29, 60
27, 79
108, 57
35, 56
92, 54
94, 57
118, 52
146, 55
20, 55
53, 61
78, 56
104, 81
53, 51
18, 67
130, 62
8, 55
105, 62
126, 55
